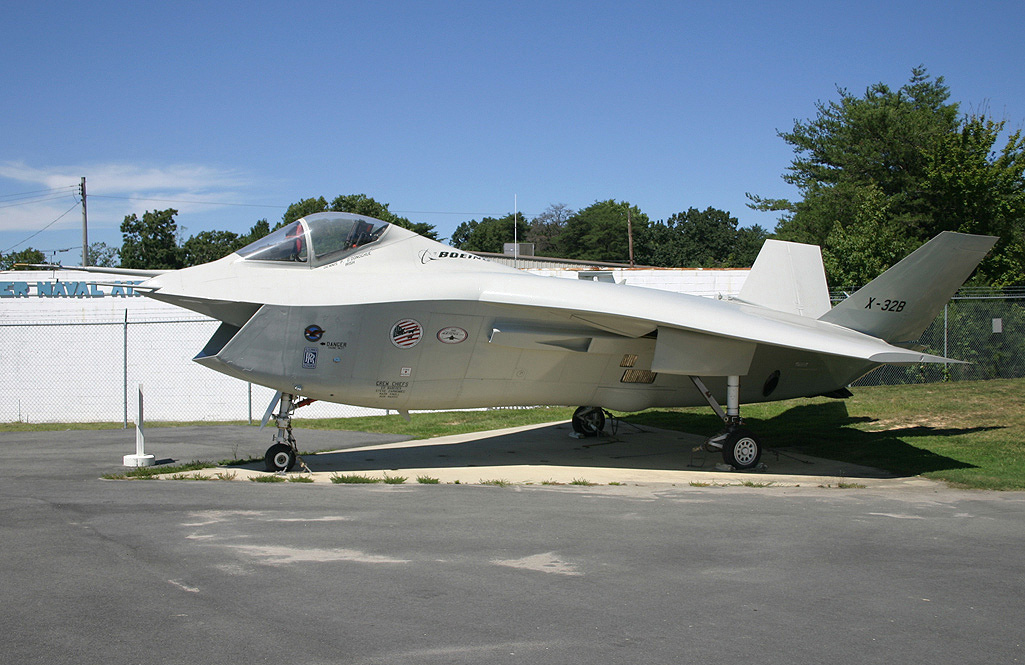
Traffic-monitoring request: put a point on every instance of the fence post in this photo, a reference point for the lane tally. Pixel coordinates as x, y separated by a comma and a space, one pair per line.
124, 376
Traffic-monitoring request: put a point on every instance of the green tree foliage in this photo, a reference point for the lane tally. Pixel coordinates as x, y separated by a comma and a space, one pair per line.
302, 208
545, 229
886, 171
599, 232
360, 204
151, 242
701, 239
748, 243
30, 255
208, 246
489, 234
100, 254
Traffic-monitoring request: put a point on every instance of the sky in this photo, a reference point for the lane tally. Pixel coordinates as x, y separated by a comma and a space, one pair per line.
446, 111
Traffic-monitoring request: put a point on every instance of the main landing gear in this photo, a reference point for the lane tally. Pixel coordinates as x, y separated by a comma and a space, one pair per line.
588, 420
739, 447
283, 454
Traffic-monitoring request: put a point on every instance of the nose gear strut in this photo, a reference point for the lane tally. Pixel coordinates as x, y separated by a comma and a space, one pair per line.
283, 453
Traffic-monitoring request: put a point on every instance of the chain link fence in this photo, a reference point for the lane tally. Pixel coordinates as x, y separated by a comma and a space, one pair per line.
90, 372
981, 326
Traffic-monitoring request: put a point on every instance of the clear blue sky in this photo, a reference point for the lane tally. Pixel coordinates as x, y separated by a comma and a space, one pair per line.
447, 110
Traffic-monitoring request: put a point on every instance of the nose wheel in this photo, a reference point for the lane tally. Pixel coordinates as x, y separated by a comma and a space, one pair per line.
280, 457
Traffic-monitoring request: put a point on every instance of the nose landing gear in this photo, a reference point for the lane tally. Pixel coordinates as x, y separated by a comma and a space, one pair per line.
283, 454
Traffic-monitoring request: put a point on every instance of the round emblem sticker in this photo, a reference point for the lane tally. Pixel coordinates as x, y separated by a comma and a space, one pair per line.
451, 335
406, 333
313, 333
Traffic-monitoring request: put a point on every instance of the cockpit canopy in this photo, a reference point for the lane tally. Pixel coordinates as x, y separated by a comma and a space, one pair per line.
316, 240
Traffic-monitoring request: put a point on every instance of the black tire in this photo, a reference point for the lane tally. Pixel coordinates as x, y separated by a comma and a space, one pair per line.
741, 449
279, 457
588, 420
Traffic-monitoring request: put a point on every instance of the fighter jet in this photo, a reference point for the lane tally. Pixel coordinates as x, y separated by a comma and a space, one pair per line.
346, 308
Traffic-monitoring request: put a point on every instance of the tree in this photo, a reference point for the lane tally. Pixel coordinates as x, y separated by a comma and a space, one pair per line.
207, 246
545, 229
489, 234
599, 232
100, 254
152, 242
301, 209
971, 187
901, 165
28, 255
692, 239
359, 204
258, 230
748, 243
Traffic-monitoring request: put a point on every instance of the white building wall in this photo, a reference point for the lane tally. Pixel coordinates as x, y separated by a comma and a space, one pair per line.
63, 349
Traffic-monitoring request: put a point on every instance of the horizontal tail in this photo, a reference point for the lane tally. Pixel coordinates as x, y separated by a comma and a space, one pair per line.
900, 304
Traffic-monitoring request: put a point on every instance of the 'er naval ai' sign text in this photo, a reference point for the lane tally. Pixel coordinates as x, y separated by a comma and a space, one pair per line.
61, 289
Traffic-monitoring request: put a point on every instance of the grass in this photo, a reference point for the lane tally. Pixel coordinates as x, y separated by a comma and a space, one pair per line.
969, 434
353, 479
150, 472
268, 479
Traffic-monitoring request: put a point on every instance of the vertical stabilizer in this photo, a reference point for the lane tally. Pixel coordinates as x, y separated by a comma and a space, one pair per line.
900, 304
788, 277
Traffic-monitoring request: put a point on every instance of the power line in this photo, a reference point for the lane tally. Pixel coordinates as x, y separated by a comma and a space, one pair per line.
38, 200
209, 203
36, 192
40, 230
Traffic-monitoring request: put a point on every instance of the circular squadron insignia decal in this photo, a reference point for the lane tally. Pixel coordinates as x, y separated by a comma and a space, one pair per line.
406, 333
313, 333
451, 335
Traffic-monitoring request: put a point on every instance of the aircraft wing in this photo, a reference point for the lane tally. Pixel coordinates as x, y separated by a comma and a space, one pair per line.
695, 336
704, 337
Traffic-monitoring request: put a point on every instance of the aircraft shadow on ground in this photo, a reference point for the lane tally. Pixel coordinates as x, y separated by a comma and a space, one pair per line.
824, 430
819, 430
551, 445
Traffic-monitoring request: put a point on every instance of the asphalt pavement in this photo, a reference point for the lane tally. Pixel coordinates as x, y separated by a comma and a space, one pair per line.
654, 570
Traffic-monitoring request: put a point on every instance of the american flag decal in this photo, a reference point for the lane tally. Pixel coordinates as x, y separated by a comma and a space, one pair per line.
406, 333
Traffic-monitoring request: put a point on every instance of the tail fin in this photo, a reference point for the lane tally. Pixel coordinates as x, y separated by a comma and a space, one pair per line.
900, 304
788, 277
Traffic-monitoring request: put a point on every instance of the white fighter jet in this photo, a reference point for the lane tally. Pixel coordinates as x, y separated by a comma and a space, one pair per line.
347, 308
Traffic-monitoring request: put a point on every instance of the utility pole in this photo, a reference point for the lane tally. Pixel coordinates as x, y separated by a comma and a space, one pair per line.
85, 228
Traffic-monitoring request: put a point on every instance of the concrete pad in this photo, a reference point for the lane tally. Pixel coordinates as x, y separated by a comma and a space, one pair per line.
549, 454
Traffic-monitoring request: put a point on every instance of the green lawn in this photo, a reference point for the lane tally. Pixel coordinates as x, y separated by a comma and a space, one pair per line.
969, 434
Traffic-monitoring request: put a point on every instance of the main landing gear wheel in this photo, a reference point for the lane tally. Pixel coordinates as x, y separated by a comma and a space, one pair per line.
588, 420
741, 450
280, 457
